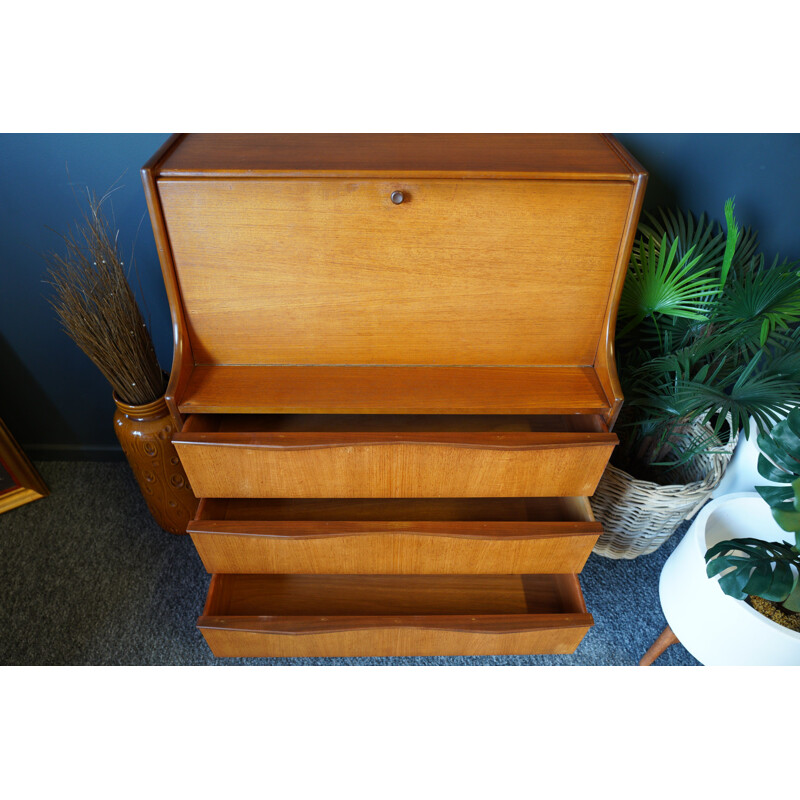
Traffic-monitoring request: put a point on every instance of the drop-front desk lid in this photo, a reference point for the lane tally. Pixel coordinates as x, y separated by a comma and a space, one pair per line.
396, 273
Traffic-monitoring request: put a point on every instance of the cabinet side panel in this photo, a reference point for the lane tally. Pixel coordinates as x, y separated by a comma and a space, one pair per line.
605, 363
182, 358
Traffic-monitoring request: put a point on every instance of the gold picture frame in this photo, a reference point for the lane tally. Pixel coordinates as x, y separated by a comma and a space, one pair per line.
20, 483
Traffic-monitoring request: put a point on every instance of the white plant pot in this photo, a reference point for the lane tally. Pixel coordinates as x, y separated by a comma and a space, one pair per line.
716, 629
741, 474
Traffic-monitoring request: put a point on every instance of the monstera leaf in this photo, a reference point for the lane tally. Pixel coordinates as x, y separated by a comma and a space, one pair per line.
768, 569
755, 567
779, 461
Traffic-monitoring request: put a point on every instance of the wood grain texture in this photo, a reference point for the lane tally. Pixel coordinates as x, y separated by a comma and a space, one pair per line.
427, 548
556, 637
263, 615
447, 509
27, 484
665, 639
398, 154
394, 464
377, 537
227, 427
332, 272
397, 390
387, 595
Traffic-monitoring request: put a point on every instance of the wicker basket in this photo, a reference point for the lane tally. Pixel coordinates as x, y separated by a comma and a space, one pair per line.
639, 516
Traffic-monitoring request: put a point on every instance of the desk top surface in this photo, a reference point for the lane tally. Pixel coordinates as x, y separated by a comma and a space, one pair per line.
580, 155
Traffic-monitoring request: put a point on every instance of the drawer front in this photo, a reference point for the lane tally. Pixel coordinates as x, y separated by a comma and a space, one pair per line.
397, 639
399, 548
344, 616
524, 465
421, 537
331, 271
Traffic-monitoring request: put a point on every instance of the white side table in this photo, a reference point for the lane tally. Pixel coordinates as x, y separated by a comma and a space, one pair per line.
715, 628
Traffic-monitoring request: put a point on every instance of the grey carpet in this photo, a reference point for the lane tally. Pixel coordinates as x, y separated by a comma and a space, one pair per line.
87, 578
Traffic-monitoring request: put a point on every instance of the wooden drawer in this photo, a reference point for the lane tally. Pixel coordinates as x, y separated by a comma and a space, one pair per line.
393, 615
311, 455
375, 537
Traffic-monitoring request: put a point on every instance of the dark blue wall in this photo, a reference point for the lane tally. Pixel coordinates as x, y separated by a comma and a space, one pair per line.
58, 405
699, 171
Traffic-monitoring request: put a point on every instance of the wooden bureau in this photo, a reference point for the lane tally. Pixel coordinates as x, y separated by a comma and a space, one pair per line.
394, 381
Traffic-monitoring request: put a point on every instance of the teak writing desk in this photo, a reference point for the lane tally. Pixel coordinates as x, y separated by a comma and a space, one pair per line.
394, 381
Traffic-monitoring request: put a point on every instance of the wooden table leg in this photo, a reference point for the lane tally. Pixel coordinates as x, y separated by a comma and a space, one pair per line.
666, 639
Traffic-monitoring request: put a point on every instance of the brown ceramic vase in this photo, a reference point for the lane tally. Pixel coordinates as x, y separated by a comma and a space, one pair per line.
145, 433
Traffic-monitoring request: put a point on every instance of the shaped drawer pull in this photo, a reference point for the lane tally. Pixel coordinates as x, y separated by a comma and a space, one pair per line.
397, 198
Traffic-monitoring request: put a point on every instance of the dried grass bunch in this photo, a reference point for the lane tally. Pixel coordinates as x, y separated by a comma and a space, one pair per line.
98, 310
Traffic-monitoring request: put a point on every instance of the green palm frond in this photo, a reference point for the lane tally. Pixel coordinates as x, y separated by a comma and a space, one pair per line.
705, 236
658, 283
680, 388
702, 236
785, 354
761, 302
745, 257
653, 338
730, 242
706, 334
742, 395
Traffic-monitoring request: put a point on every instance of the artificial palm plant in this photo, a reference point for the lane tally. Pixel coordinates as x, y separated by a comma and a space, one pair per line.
706, 335
707, 338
